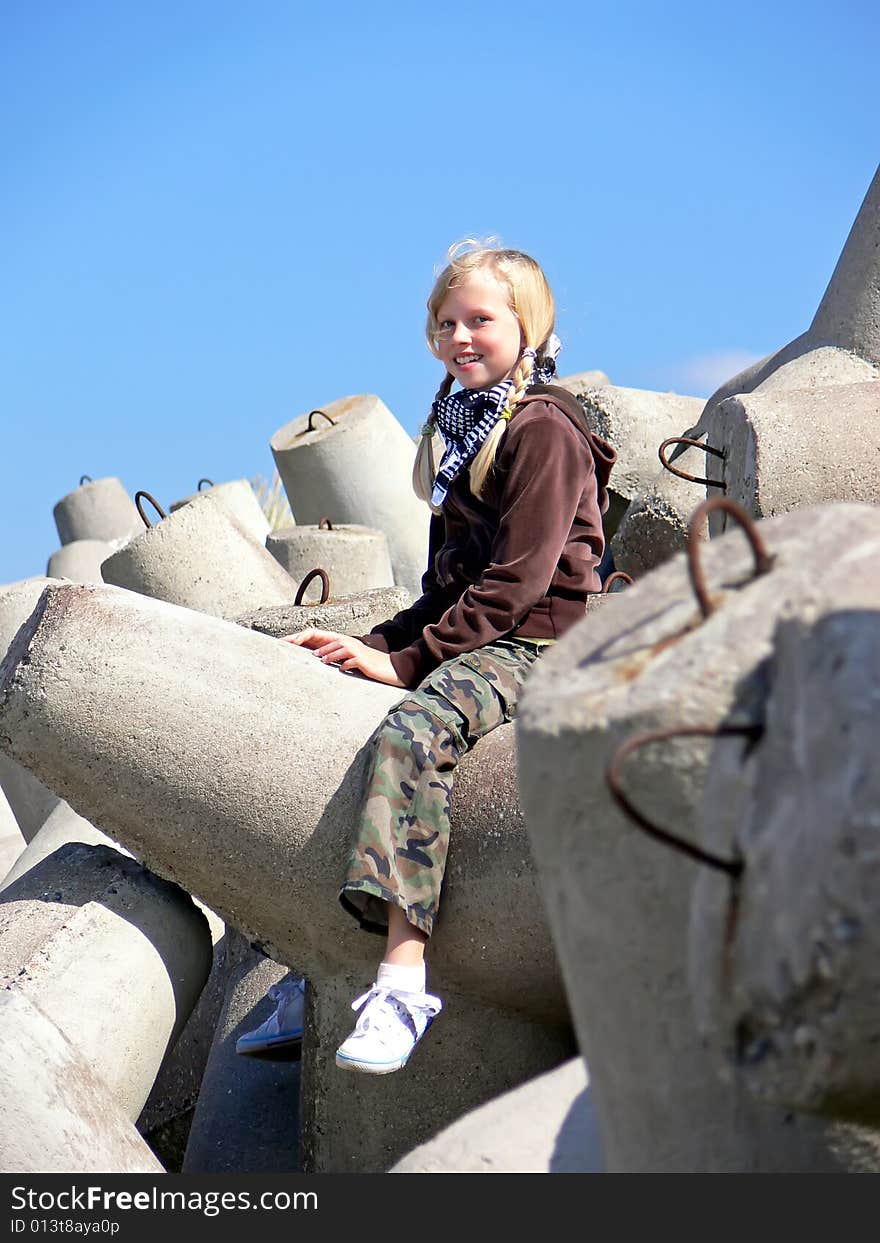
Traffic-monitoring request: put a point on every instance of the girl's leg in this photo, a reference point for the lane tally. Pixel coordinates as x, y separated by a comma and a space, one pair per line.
405, 944
400, 852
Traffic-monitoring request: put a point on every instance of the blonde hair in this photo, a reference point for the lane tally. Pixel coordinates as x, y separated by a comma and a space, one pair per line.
530, 300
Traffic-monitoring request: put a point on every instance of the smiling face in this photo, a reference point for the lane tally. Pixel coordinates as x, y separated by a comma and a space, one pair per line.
479, 339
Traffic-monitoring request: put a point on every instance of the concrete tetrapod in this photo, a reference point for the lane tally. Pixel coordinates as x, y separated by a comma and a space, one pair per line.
355, 558
202, 557
11, 841
840, 348
58, 1116
240, 499
80, 561
353, 461
787, 985
30, 800
99, 509
635, 421
619, 902
246, 1119
234, 765
355, 614
113, 956
545, 1126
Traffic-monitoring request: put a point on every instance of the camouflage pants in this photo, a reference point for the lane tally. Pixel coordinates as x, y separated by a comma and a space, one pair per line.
400, 850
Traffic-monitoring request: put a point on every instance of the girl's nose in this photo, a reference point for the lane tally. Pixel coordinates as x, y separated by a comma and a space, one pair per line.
461, 334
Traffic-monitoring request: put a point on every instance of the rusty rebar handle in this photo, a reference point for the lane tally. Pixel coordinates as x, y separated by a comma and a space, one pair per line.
682, 474
325, 586
312, 414
209, 482
85, 479
733, 867
618, 576
763, 560
325, 525
158, 508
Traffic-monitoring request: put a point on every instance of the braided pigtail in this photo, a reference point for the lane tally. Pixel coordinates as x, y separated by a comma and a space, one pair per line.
482, 463
424, 467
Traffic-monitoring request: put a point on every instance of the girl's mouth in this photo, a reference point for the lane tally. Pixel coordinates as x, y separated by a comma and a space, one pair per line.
462, 360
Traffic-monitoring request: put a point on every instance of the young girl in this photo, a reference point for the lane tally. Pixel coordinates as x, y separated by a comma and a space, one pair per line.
516, 539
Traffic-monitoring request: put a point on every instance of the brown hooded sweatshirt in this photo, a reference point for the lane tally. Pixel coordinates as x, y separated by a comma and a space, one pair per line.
521, 559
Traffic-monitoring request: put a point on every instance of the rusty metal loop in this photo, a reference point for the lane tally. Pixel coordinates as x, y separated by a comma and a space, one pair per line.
209, 482
85, 479
312, 414
158, 508
763, 560
325, 525
733, 867
325, 586
682, 474
618, 576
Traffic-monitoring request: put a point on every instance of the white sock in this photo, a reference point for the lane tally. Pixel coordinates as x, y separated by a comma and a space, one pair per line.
402, 979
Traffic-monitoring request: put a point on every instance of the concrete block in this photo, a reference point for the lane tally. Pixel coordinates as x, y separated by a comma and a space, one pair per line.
244, 789
201, 557
30, 800
58, 1115
114, 957
354, 464
546, 1126
80, 561
99, 509
634, 421
11, 841
618, 901
786, 972
788, 448
654, 526
247, 1117
239, 498
355, 614
354, 557
61, 826
842, 344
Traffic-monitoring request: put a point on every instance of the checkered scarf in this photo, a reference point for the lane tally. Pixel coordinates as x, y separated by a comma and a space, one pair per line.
465, 418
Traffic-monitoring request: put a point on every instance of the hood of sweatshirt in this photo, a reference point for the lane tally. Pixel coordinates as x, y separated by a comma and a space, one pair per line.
604, 455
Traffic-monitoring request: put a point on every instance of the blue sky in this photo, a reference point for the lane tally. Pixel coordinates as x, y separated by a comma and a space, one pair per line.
216, 216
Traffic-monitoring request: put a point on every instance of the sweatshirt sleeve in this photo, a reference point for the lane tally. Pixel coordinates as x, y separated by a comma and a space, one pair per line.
544, 466
402, 629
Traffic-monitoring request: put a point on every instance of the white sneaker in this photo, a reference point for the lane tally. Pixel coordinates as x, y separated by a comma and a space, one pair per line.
281, 1036
390, 1026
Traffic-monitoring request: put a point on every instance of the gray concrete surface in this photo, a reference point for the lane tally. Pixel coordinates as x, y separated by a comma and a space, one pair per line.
100, 509
112, 955
80, 561
634, 421
787, 985
247, 1117
354, 557
58, 1115
354, 614
244, 788
11, 841
619, 901
239, 499
201, 557
61, 826
785, 449
546, 1126
654, 526
30, 800
357, 469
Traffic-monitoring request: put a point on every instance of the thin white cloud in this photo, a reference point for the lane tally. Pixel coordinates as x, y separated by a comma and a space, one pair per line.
700, 376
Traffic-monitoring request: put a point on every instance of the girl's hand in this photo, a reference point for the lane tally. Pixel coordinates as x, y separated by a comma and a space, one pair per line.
347, 652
